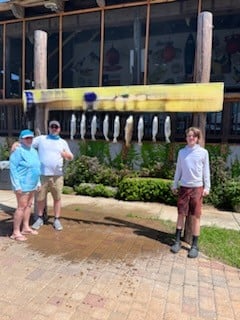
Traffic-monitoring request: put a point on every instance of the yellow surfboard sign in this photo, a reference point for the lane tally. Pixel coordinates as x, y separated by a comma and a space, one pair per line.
191, 97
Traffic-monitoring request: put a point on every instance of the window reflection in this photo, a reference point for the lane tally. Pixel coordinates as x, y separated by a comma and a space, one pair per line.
124, 46
235, 127
1, 62
171, 43
226, 44
81, 50
13, 60
50, 26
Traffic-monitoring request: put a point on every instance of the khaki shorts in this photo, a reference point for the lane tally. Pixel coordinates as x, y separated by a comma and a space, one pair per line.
190, 201
54, 184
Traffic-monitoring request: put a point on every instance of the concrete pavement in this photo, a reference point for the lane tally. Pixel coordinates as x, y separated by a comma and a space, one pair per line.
111, 267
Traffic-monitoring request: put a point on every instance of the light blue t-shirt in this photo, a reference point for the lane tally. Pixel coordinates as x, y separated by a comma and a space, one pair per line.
25, 169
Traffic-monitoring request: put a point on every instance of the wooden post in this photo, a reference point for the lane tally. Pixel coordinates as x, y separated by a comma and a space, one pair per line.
40, 76
202, 71
203, 62
40, 82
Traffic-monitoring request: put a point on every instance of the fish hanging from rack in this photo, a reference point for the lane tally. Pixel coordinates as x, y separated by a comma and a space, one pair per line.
167, 129
93, 127
128, 130
72, 126
154, 128
140, 130
83, 126
106, 127
116, 129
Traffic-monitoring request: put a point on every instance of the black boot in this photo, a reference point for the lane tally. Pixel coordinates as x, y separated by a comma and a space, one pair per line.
177, 245
193, 252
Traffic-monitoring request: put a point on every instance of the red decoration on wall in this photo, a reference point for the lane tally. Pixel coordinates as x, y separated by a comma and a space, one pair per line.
112, 56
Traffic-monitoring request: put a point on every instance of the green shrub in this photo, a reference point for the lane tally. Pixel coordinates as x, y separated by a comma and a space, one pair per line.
68, 190
96, 190
88, 169
146, 189
220, 175
232, 194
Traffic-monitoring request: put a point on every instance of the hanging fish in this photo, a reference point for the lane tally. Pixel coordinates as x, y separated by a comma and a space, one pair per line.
116, 130
128, 130
140, 130
106, 127
83, 126
72, 126
167, 129
154, 128
94, 127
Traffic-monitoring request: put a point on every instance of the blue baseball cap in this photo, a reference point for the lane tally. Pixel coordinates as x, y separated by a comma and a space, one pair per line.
26, 134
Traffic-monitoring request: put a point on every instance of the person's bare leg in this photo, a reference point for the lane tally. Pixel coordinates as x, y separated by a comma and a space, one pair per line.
57, 208
40, 207
26, 229
179, 226
18, 218
196, 226
193, 253
180, 221
57, 211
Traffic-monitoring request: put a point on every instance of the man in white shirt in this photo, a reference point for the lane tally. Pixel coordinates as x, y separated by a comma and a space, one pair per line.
52, 151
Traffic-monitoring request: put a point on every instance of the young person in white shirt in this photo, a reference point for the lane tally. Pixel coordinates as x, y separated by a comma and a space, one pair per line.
191, 184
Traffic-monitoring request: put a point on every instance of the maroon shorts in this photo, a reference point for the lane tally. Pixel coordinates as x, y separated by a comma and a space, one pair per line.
190, 201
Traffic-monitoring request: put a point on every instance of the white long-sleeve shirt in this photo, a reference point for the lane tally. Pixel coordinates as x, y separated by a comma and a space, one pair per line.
192, 168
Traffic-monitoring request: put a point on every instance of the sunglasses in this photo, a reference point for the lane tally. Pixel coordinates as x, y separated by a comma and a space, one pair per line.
28, 138
54, 126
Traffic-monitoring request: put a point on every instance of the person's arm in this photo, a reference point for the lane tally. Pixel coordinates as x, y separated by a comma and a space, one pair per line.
14, 176
177, 175
14, 146
66, 152
206, 175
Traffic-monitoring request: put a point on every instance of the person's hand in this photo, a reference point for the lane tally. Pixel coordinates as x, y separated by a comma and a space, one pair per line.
15, 145
175, 191
205, 192
38, 188
19, 191
66, 155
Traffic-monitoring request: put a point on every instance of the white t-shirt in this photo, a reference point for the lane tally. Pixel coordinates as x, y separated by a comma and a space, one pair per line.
49, 151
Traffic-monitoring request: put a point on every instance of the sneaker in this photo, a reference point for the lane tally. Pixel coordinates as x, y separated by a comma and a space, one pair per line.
57, 225
176, 247
38, 223
193, 252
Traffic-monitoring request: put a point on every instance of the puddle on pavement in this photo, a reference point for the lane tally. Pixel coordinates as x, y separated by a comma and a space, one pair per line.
93, 233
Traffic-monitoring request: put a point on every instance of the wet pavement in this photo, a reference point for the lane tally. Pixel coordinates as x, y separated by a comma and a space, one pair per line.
112, 261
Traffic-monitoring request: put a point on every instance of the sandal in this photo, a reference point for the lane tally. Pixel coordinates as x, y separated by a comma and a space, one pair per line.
30, 231
19, 237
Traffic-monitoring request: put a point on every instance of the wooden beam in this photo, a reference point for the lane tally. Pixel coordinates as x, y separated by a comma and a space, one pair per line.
18, 11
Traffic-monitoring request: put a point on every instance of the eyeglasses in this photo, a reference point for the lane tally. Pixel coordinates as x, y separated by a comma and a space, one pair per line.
54, 126
28, 138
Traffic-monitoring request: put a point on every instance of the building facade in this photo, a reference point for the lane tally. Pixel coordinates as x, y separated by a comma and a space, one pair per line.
107, 43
